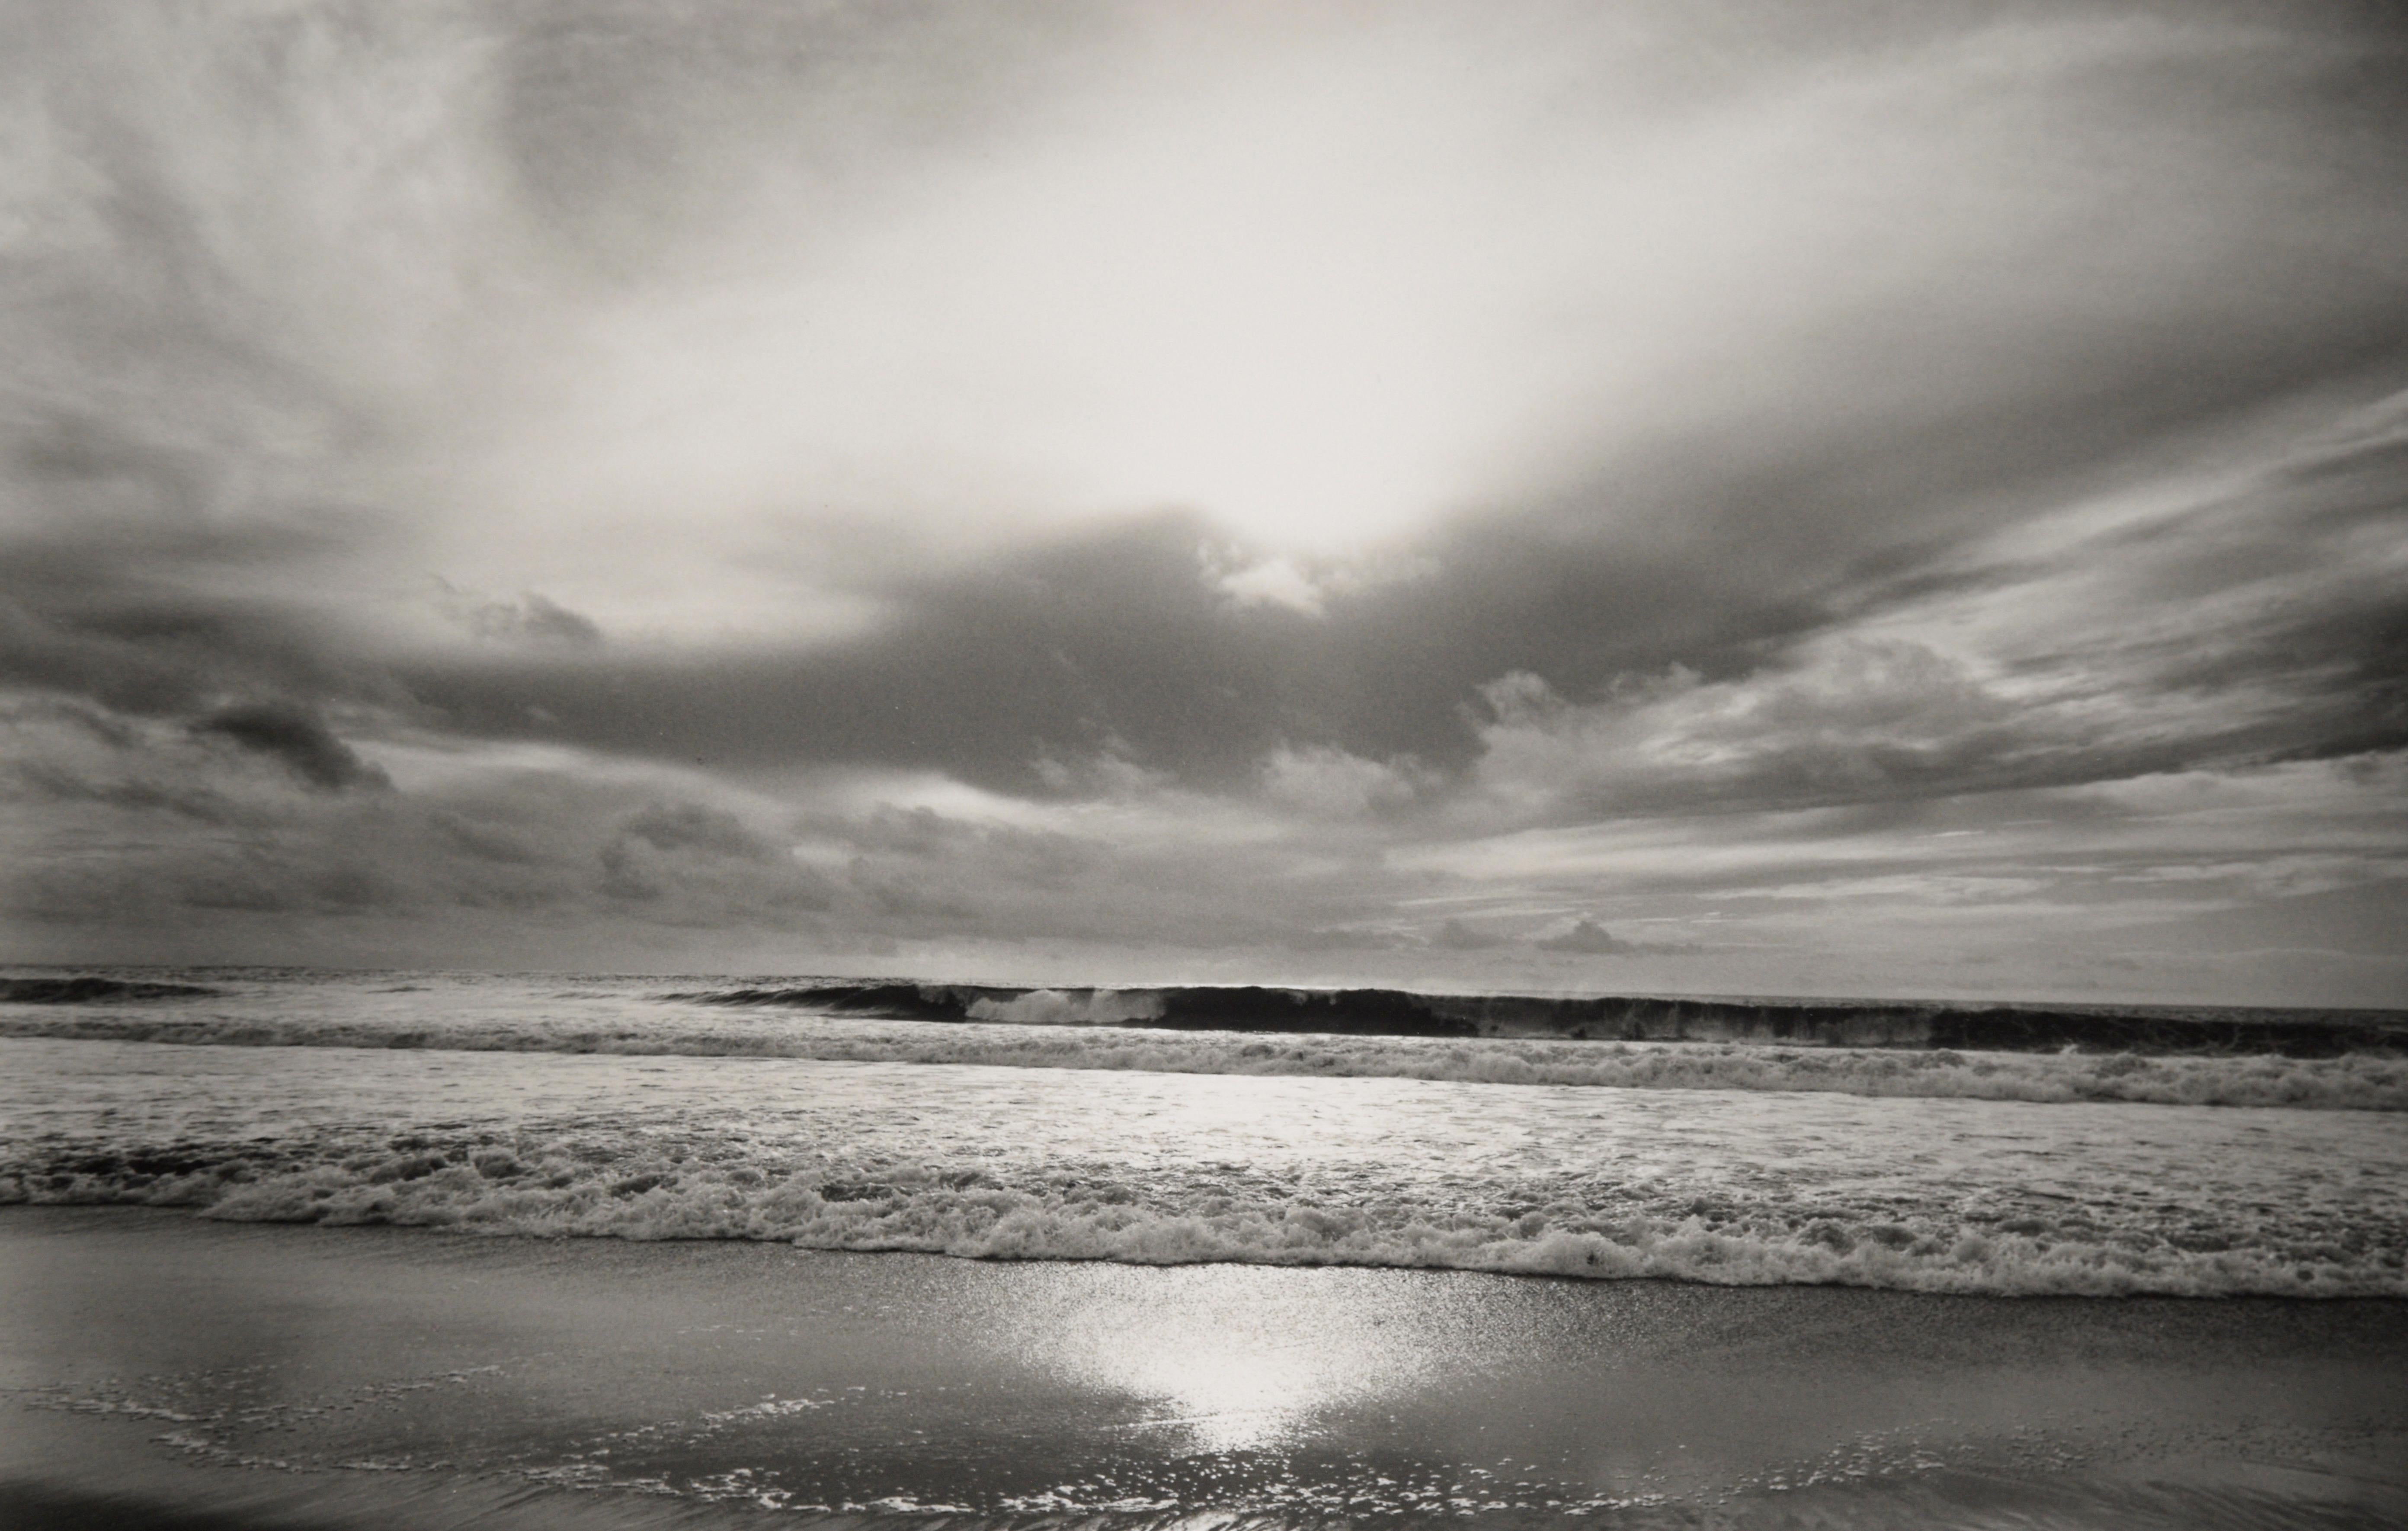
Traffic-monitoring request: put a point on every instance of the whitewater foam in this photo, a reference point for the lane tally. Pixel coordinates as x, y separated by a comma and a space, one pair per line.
1726, 1186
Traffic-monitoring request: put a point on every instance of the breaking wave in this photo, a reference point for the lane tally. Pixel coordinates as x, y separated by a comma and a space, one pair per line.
610, 1024
1391, 1012
571, 1185
1728, 1187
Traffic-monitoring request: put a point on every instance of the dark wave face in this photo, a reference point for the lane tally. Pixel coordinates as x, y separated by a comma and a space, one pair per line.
1388, 1012
92, 991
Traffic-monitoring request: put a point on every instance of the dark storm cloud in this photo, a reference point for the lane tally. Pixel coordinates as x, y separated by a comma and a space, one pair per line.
1795, 676
1059, 653
58, 657
665, 844
43, 782
710, 858
2225, 624
1994, 343
1424, 486
161, 653
160, 616
297, 737
569, 853
202, 829
103, 763
1119, 641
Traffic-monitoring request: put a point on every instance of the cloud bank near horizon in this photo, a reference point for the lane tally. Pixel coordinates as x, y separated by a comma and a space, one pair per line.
1759, 500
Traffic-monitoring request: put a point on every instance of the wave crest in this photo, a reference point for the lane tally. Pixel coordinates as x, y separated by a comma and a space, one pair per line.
564, 1186
2359, 1081
1392, 1012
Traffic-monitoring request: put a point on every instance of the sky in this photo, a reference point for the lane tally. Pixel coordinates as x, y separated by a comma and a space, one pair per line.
1681, 496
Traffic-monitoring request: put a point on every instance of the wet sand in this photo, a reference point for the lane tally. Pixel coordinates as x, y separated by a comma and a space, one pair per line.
166, 1371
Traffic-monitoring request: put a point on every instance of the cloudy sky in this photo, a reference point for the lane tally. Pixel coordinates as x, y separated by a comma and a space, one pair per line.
1714, 496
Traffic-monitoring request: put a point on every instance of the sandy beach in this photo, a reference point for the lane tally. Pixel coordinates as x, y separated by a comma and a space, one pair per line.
1141, 765
166, 1370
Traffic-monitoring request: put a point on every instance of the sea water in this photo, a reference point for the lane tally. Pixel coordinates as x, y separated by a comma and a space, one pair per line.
639, 1108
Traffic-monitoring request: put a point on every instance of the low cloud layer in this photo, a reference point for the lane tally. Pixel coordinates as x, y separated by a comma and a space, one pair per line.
1840, 503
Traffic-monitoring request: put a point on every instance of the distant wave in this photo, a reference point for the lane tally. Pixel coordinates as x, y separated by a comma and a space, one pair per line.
585, 1184
93, 991
2359, 1082
1389, 1012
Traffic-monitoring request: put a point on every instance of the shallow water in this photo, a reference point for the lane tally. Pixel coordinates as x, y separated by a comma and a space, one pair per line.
370, 1377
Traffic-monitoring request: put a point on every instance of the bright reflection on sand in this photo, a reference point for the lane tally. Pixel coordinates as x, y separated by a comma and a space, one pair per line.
1231, 1357
1224, 1399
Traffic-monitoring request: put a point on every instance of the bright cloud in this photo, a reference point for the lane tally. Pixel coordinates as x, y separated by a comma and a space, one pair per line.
1530, 495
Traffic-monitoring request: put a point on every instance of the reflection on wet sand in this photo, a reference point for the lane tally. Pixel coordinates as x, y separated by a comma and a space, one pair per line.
316, 1378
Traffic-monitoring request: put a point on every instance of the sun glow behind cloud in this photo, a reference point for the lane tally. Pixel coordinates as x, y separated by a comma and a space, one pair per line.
1248, 477
1332, 285
1292, 296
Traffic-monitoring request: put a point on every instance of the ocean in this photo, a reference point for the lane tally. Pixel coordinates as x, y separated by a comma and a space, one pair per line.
2210, 1153
317, 1251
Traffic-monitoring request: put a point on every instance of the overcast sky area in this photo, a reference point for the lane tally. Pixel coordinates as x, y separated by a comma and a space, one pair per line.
1697, 495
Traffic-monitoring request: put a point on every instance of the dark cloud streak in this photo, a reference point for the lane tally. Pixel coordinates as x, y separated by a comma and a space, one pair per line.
1425, 487
298, 738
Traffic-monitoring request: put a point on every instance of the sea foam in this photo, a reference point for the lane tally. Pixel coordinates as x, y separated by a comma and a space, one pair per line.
578, 1188
1966, 1196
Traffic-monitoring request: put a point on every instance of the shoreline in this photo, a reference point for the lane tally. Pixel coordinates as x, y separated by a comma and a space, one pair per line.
472, 1232
310, 1377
